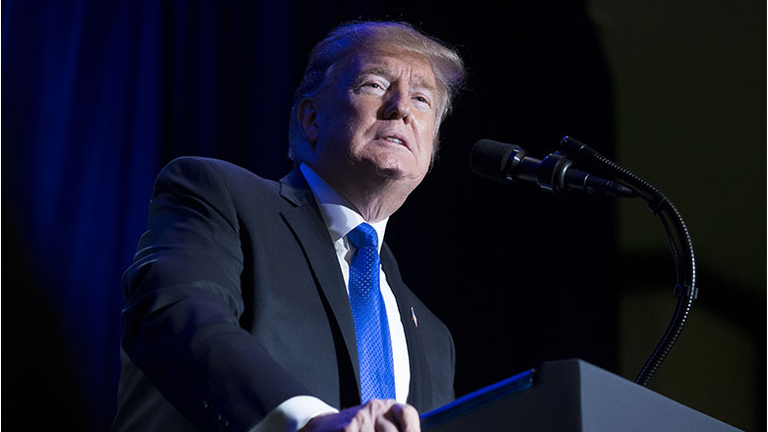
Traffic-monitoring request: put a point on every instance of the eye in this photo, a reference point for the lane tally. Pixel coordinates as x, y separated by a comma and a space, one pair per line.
371, 87
422, 100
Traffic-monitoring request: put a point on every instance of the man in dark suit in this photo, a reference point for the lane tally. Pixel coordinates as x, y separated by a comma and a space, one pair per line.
242, 303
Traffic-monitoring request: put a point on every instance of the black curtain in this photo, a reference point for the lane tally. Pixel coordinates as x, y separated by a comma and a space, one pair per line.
98, 96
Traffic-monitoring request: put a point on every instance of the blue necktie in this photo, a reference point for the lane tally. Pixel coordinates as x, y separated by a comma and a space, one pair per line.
374, 348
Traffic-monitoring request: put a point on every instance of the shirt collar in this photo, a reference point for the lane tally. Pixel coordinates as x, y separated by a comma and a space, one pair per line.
339, 215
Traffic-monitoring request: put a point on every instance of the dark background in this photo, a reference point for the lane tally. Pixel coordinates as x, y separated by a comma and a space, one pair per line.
98, 96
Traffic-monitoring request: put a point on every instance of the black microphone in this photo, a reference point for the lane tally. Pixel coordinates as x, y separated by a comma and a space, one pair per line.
507, 163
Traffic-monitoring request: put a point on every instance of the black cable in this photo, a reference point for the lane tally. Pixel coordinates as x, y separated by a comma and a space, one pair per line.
679, 269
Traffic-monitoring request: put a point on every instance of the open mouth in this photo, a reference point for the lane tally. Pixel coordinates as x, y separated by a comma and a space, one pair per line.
395, 139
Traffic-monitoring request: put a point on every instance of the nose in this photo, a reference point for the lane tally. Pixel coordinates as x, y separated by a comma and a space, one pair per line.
398, 106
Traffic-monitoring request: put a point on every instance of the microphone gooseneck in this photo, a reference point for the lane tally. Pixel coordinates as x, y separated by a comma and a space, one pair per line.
678, 236
556, 173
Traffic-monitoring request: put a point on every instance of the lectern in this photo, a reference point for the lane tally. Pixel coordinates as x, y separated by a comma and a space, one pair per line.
568, 396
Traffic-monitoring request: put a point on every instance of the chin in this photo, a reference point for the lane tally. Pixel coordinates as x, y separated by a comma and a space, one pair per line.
391, 173
393, 167
387, 167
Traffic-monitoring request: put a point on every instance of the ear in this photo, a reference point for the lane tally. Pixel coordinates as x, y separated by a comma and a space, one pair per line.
307, 117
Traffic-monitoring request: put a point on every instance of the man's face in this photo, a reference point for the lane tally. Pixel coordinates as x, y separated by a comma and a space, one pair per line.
376, 119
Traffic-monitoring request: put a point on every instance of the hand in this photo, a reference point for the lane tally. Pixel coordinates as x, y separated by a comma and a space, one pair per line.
378, 415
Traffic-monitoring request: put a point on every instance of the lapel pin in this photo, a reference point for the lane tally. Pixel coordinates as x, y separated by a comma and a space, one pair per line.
413, 317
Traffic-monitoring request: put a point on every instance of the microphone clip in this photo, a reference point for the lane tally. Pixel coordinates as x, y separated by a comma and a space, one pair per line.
552, 173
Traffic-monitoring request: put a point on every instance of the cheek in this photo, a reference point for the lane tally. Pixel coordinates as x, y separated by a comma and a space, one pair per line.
350, 118
340, 129
427, 134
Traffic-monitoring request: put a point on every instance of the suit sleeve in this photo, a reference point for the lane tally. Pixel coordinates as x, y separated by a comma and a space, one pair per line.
183, 294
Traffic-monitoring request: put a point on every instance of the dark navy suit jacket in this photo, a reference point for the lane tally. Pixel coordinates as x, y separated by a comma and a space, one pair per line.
236, 302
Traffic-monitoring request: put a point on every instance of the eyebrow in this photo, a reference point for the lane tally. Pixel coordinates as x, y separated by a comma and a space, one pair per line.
388, 74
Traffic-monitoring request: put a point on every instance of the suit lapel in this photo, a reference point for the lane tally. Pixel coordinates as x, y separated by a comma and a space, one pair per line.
420, 390
307, 224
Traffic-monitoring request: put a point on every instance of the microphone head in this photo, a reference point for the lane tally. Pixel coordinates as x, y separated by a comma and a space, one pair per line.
490, 158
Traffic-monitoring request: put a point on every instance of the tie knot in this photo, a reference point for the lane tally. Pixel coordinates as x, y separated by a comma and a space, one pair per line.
363, 235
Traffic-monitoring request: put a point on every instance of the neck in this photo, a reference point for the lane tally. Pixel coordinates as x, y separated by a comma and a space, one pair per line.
374, 203
374, 197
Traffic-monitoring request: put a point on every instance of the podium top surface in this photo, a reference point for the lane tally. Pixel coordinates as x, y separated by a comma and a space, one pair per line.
568, 395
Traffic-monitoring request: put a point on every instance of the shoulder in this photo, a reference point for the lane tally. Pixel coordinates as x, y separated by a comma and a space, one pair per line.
191, 166
202, 173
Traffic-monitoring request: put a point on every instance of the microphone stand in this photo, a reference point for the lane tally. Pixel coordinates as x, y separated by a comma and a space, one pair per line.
679, 241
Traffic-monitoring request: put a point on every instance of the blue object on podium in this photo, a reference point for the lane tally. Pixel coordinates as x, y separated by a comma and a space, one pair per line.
568, 396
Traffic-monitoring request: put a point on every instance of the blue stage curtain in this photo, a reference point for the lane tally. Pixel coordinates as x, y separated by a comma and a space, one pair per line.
81, 129
97, 96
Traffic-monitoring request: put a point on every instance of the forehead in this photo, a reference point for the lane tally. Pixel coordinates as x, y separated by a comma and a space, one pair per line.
390, 63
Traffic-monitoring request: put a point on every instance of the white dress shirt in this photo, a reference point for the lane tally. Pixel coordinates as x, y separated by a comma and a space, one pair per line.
341, 217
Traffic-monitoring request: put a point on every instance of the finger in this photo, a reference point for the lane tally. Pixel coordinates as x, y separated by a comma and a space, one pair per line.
379, 407
384, 424
366, 417
405, 417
